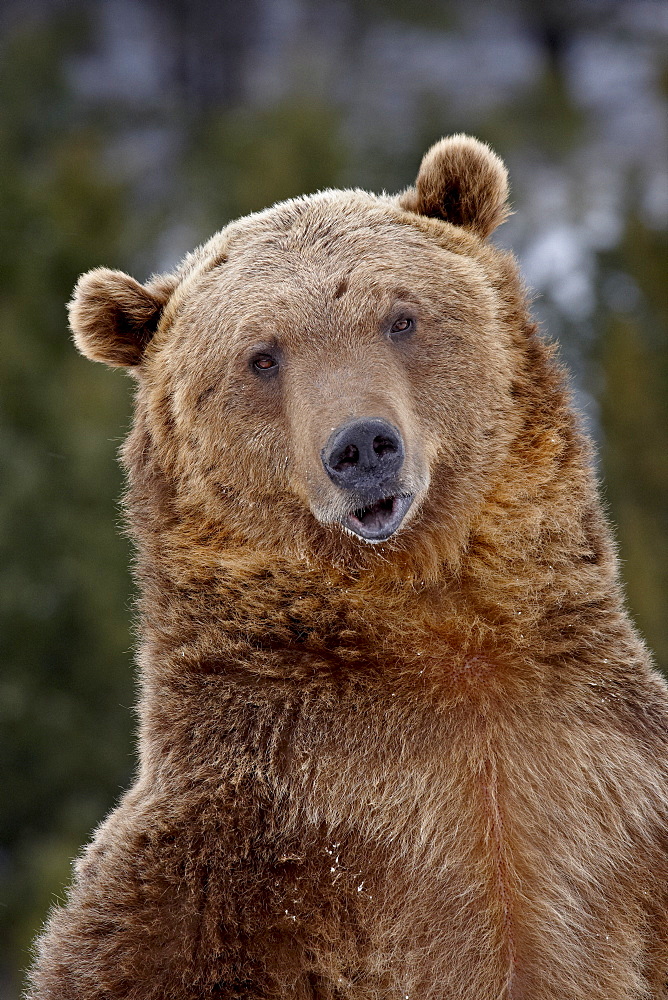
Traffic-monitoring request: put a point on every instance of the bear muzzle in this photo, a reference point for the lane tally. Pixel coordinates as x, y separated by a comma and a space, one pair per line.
364, 458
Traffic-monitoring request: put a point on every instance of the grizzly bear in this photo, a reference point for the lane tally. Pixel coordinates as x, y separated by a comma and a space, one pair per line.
398, 737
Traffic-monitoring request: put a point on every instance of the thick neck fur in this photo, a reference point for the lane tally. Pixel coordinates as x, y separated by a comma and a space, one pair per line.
537, 571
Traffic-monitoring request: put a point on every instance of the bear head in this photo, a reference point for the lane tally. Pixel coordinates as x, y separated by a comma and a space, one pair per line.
334, 377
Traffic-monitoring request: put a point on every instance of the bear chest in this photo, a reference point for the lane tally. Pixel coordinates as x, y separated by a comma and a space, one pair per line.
481, 859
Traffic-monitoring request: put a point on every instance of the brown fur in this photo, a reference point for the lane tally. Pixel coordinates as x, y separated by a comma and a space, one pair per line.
464, 183
430, 768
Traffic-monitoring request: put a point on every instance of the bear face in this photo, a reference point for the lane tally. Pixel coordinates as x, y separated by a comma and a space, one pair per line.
333, 372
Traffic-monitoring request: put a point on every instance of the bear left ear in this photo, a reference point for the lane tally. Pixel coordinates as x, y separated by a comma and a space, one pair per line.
463, 182
113, 317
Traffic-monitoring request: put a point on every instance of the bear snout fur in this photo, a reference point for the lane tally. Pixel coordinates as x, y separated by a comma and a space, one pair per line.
398, 737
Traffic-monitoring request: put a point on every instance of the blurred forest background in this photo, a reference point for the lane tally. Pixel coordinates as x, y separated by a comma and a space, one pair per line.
132, 129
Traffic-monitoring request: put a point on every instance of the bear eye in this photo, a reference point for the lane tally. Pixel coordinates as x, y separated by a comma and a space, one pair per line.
264, 364
402, 327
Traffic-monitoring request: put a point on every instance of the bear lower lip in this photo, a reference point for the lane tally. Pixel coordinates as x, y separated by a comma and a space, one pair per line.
380, 519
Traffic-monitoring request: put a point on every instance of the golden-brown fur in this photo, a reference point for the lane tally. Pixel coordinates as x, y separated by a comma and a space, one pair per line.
433, 767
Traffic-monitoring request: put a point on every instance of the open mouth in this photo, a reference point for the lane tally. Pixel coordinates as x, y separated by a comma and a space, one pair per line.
379, 520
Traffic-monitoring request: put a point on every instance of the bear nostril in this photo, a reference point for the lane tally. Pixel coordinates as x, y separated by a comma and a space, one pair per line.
349, 456
381, 445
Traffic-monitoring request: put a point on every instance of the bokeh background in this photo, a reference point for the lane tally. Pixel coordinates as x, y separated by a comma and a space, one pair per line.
130, 130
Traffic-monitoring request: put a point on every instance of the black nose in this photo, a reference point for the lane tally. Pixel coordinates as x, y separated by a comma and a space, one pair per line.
363, 455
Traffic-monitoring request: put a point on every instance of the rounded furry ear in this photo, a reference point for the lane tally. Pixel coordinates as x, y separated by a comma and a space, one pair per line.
462, 181
113, 317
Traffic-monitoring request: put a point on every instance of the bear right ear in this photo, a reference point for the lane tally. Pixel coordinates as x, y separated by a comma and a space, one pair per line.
462, 182
113, 317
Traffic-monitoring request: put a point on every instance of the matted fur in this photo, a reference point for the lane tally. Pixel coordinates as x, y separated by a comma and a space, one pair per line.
433, 768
